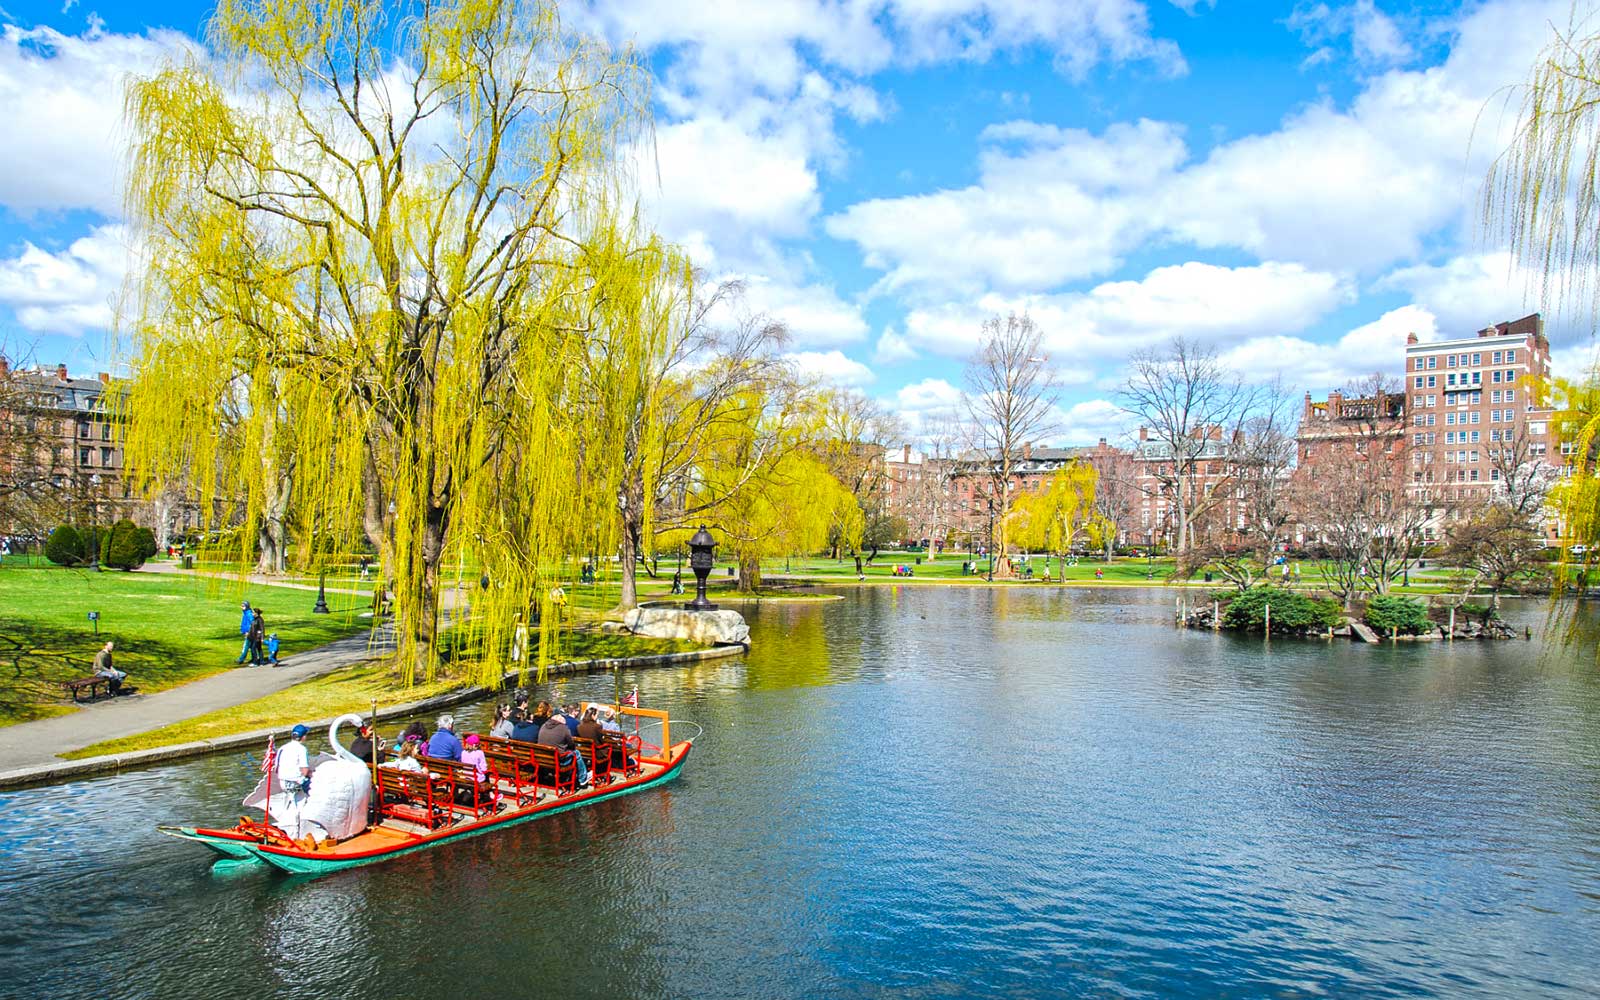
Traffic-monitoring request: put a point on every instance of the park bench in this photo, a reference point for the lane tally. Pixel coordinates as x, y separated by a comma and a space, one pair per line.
78, 684
512, 768
415, 796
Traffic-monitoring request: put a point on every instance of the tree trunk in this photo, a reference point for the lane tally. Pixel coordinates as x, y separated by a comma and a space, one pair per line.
749, 575
630, 563
425, 629
272, 534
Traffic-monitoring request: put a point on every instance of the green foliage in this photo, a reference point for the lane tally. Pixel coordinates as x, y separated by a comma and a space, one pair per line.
1291, 612
124, 546
65, 546
147, 542
1388, 613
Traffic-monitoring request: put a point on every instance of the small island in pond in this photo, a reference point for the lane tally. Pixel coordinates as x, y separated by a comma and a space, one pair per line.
1278, 611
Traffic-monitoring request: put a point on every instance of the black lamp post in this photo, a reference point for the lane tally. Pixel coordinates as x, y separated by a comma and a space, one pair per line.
700, 547
322, 595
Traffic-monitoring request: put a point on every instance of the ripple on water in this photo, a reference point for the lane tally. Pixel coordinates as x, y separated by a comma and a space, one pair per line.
923, 793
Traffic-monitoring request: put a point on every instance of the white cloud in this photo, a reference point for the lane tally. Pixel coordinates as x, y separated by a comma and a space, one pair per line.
1200, 301
928, 395
1375, 346
1086, 422
1375, 39
70, 292
1350, 188
63, 100
1469, 292
814, 314
832, 367
893, 347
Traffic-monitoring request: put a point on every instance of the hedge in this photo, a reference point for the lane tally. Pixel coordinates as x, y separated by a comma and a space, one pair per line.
1291, 612
1387, 614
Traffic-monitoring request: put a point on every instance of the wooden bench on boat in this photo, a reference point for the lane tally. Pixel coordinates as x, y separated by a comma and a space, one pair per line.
628, 751
539, 764
415, 796
78, 684
466, 791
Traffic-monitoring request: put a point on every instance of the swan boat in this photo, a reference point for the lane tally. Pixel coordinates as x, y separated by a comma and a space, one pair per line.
415, 811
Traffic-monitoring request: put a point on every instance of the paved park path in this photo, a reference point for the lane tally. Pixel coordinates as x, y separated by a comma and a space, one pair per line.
31, 743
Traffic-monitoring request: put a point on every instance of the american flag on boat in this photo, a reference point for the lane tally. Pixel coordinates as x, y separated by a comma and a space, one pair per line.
272, 756
632, 698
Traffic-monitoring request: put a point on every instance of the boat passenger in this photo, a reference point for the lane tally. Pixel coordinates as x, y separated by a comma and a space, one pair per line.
362, 745
542, 713
569, 715
589, 728
406, 758
502, 722
444, 744
470, 754
609, 723
416, 729
523, 729
554, 733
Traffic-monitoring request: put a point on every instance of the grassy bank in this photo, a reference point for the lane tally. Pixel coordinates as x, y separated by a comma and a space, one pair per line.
353, 689
169, 629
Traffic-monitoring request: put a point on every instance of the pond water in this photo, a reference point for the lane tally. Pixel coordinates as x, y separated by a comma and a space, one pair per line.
923, 792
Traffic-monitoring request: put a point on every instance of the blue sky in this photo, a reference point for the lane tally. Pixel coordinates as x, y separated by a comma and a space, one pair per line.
1295, 185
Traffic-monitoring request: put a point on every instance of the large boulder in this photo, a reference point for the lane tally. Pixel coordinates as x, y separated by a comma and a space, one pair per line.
710, 627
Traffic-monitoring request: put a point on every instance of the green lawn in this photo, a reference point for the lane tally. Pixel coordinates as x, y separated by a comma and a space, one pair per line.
169, 628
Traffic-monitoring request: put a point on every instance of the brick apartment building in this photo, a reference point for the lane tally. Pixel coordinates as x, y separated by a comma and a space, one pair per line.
1466, 413
78, 447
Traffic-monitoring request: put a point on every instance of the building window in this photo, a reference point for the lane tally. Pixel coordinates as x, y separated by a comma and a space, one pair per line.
1511, 395
1477, 378
1450, 418
1433, 362
1450, 362
1473, 437
1474, 475
1450, 437
1430, 419
1477, 397
1475, 415
105, 432
105, 456
83, 428
1433, 381
1494, 377
1476, 359
83, 456
1511, 357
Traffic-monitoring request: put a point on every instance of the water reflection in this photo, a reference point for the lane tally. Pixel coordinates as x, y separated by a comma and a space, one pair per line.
925, 792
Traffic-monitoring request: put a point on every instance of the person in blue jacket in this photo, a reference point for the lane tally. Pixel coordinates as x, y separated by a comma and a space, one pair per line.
244, 633
272, 648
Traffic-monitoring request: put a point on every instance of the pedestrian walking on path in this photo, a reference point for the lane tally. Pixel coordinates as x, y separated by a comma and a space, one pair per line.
244, 633
272, 648
256, 637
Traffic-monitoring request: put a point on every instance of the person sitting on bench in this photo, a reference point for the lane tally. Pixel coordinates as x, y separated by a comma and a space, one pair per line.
103, 668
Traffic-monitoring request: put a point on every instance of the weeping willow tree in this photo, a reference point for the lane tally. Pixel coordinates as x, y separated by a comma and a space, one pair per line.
1543, 198
1055, 517
367, 226
793, 511
671, 392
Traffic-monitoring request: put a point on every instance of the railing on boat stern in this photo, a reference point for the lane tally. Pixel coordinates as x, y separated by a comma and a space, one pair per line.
663, 753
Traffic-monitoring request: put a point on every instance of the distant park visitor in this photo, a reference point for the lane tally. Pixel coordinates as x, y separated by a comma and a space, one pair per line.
104, 668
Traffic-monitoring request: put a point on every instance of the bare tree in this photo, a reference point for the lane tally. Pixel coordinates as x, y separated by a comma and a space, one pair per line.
1355, 492
856, 435
1245, 531
1522, 478
1192, 405
32, 459
1116, 496
1010, 400
931, 504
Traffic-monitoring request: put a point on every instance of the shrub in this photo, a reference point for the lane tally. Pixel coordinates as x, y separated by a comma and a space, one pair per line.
147, 542
1388, 613
1291, 612
124, 546
65, 546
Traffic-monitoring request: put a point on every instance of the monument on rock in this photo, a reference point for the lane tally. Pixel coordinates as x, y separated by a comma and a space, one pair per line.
697, 621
